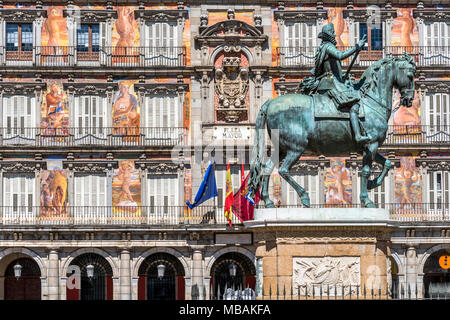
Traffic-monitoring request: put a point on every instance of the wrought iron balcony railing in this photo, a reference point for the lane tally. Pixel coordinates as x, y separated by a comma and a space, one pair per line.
424, 55
418, 134
67, 56
182, 215
93, 136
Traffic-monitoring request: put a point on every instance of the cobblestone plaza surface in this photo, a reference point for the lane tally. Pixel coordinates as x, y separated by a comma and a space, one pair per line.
111, 112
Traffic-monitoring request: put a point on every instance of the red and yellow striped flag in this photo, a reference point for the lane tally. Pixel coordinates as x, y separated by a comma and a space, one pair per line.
229, 196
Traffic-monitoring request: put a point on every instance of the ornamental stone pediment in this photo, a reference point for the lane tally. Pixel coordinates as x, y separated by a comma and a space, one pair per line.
22, 88
161, 88
300, 15
434, 164
434, 86
22, 15
91, 88
160, 167
230, 31
364, 15
90, 15
161, 15
85, 166
22, 166
432, 15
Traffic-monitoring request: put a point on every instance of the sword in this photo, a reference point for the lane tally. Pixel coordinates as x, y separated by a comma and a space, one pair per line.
347, 74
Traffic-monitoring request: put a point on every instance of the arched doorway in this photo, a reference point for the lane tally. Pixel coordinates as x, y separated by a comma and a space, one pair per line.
436, 272
95, 281
232, 270
394, 285
161, 277
28, 285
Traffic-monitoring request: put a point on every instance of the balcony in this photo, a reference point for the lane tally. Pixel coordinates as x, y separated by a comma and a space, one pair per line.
70, 56
425, 56
94, 136
182, 215
418, 135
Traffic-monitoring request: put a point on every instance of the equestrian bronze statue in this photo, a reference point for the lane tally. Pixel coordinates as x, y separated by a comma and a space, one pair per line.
332, 116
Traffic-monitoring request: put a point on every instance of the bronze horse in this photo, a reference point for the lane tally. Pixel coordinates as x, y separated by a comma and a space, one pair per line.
293, 128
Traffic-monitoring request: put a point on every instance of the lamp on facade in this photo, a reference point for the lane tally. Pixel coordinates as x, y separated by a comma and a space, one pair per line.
90, 271
232, 268
17, 271
161, 268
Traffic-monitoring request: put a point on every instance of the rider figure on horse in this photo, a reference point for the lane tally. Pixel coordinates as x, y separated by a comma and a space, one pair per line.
328, 77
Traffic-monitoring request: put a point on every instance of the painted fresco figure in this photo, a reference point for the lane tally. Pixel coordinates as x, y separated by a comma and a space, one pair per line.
55, 108
126, 117
328, 77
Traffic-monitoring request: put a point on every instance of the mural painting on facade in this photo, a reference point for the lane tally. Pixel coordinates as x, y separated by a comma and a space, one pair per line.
276, 180
338, 183
404, 30
53, 197
408, 185
126, 113
126, 190
336, 17
55, 113
406, 121
125, 37
54, 38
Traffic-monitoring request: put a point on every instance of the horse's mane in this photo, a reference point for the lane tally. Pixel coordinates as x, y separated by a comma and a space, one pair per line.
369, 78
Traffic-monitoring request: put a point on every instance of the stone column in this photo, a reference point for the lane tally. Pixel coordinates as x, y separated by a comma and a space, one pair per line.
125, 276
410, 270
53, 275
197, 274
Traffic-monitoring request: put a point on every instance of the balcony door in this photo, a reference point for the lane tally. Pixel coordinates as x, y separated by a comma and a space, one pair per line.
374, 50
19, 118
162, 119
438, 194
436, 41
18, 193
300, 41
90, 119
90, 205
19, 41
310, 182
162, 191
161, 44
437, 116
88, 42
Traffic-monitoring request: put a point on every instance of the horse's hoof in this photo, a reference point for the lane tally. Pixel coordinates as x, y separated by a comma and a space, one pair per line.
369, 204
306, 203
269, 205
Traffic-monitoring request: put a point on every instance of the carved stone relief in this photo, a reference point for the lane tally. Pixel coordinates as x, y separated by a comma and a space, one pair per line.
326, 272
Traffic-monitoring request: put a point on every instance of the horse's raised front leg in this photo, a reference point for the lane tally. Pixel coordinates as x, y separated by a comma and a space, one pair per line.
289, 161
387, 165
267, 170
368, 157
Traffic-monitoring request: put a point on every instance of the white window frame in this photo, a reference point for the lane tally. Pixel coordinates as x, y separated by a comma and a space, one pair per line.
161, 39
379, 195
310, 182
90, 204
438, 194
19, 192
437, 111
163, 197
162, 114
90, 118
19, 118
300, 40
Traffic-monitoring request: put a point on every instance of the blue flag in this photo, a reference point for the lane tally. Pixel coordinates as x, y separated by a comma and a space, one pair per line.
208, 188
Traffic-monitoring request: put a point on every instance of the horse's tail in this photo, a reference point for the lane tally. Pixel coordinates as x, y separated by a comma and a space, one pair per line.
259, 147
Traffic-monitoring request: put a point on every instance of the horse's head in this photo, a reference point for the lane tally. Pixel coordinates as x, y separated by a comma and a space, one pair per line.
404, 79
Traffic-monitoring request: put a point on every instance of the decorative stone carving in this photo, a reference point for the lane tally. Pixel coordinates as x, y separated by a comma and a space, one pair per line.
90, 167
231, 83
309, 166
161, 15
161, 88
22, 88
92, 88
432, 15
363, 15
90, 15
22, 166
327, 272
300, 15
22, 15
430, 86
434, 164
285, 87
161, 167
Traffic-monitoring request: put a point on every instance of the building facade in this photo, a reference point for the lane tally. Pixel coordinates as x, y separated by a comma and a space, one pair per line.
112, 111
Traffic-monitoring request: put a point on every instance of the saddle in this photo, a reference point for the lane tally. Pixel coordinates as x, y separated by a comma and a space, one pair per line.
326, 108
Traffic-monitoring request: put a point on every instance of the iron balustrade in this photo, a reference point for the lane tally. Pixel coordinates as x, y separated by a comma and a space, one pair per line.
182, 215
67, 56
93, 136
418, 134
423, 55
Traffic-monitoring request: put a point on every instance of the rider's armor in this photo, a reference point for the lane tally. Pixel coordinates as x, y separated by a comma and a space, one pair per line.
328, 78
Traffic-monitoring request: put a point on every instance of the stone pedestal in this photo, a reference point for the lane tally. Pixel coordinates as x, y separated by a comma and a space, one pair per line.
328, 247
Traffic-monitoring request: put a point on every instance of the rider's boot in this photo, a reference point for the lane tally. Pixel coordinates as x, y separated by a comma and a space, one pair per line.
356, 129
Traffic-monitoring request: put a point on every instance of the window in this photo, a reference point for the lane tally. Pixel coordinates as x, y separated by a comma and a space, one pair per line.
374, 37
437, 112
438, 189
90, 115
19, 41
437, 34
162, 193
300, 40
88, 38
161, 41
18, 191
379, 195
309, 182
19, 118
19, 37
90, 190
162, 115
